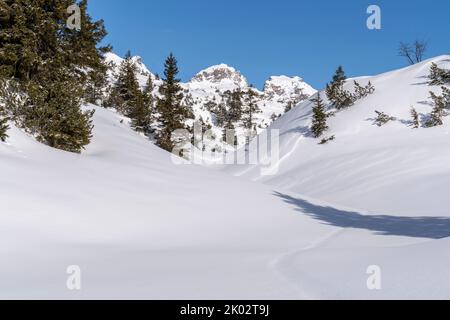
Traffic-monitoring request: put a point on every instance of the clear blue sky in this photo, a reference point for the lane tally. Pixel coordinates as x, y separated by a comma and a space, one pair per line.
309, 38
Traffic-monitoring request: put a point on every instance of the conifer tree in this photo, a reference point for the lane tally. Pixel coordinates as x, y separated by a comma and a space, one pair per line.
438, 112
140, 115
339, 76
3, 128
415, 118
319, 121
438, 76
148, 93
250, 110
235, 106
229, 134
335, 90
126, 93
383, 118
53, 114
49, 61
173, 113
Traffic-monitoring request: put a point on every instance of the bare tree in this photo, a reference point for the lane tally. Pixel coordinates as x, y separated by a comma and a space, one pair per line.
420, 48
413, 53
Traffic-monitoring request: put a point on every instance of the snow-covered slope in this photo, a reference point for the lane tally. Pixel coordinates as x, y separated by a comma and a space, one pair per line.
137, 225
388, 185
140, 226
393, 168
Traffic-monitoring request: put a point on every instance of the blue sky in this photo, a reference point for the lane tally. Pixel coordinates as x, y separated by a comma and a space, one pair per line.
263, 38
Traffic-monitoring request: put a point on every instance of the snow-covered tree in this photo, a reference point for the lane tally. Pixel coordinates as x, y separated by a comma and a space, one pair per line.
438, 76
319, 121
173, 113
250, 109
50, 62
4, 127
438, 112
415, 122
383, 118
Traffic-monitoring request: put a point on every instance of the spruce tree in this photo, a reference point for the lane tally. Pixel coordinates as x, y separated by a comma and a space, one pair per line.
229, 134
335, 90
173, 113
140, 114
84, 51
148, 93
415, 118
235, 105
438, 76
126, 94
250, 110
53, 114
3, 129
438, 112
383, 118
339, 77
319, 121
50, 62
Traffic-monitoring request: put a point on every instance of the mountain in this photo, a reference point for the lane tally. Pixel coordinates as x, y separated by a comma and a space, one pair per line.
210, 85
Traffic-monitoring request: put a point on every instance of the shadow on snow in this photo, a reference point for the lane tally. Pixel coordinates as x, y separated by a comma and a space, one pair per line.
416, 227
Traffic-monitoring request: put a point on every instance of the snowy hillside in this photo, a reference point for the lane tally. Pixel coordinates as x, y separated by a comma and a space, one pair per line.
388, 186
393, 168
142, 227
137, 225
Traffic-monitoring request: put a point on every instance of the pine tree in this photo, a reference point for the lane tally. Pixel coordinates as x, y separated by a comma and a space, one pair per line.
84, 51
319, 122
140, 115
229, 134
339, 76
335, 90
438, 76
235, 105
415, 118
383, 118
438, 112
250, 110
3, 128
173, 113
126, 93
362, 92
149, 99
49, 62
53, 114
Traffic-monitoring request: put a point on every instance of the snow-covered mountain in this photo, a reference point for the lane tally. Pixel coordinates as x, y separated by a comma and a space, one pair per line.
372, 203
210, 84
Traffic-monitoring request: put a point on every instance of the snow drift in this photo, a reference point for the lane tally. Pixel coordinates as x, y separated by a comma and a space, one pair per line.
141, 227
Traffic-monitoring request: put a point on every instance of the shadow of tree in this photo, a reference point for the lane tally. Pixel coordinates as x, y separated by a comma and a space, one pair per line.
416, 227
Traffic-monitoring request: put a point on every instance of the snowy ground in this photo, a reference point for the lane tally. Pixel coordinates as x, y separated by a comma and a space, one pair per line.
141, 227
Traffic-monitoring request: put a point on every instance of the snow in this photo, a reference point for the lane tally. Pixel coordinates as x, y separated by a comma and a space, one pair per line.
385, 189
141, 227
210, 84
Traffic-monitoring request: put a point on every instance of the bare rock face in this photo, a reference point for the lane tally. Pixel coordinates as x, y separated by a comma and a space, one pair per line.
221, 73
